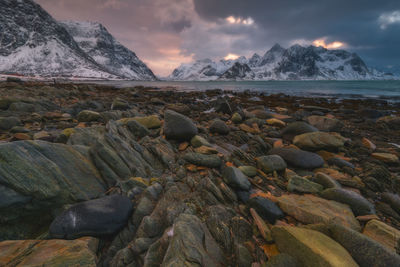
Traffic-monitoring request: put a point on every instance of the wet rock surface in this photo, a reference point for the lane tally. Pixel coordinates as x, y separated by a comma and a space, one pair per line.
158, 177
99, 217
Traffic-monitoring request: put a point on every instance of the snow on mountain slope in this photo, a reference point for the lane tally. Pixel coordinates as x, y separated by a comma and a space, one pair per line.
32, 43
94, 39
294, 63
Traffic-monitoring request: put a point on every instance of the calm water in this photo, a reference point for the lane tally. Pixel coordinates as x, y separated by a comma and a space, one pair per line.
389, 90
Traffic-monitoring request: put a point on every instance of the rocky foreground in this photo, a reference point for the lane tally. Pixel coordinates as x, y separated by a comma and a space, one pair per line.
98, 176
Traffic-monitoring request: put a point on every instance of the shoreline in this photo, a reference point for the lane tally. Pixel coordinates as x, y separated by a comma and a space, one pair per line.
140, 175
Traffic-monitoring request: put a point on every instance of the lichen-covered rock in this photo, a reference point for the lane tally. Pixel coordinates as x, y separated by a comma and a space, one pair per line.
37, 176
89, 116
271, 163
311, 248
192, 244
37, 253
319, 141
383, 234
310, 209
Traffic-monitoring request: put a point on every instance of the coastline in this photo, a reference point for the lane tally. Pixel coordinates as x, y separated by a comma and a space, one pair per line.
171, 167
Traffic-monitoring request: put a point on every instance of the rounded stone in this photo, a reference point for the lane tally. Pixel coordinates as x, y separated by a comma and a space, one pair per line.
271, 163
99, 217
178, 126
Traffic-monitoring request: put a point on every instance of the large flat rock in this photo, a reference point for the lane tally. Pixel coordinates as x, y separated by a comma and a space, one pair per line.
383, 234
39, 177
39, 253
192, 245
311, 209
311, 248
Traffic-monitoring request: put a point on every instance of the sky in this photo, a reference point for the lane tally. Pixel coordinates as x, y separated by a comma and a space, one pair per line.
166, 33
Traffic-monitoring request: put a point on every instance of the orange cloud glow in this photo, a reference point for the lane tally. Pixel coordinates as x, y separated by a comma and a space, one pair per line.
333, 45
231, 56
239, 20
171, 59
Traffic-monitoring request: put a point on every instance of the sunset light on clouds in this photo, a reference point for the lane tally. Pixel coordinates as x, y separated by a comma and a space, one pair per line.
333, 45
167, 33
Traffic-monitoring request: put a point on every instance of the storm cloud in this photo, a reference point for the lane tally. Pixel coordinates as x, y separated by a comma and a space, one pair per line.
166, 33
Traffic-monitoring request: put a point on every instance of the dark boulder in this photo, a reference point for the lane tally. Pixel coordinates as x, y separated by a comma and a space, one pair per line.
299, 158
99, 217
178, 126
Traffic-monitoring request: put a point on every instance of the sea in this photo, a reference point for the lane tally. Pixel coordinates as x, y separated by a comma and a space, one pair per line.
385, 90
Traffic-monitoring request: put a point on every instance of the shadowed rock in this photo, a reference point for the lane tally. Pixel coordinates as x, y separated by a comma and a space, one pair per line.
99, 217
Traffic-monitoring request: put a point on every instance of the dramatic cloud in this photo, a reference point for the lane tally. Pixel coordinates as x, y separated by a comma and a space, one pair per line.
387, 19
167, 33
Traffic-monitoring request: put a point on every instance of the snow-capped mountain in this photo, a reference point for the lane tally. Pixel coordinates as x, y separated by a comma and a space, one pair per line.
94, 39
32, 43
294, 63
205, 69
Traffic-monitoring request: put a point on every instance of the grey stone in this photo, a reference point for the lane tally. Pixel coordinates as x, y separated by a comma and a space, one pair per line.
298, 158
178, 126
236, 179
271, 163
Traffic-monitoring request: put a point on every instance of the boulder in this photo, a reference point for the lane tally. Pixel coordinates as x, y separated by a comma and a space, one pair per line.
271, 163
364, 250
383, 234
324, 123
41, 177
248, 170
298, 158
192, 244
236, 118
358, 204
319, 141
341, 163
393, 200
386, 157
297, 128
310, 209
178, 126
301, 185
7, 123
219, 127
198, 141
210, 161
99, 217
267, 209
35, 253
325, 180
282, 260
150, 122
311, 248
236, 179
22, 107
119, 104
89, 116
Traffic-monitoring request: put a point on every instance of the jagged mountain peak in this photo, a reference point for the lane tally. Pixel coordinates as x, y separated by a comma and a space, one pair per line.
294, 63
276, 48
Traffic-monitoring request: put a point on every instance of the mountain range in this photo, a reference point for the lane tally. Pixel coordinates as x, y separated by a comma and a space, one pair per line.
294, 63
32, 43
